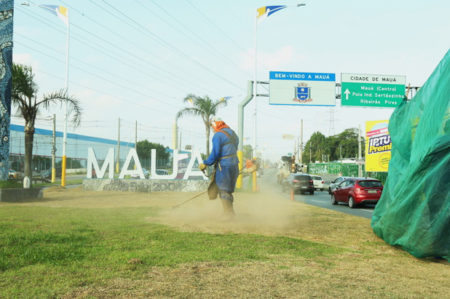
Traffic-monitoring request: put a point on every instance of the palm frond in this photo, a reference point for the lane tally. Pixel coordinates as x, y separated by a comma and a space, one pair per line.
189, 111
23, 85
62, 97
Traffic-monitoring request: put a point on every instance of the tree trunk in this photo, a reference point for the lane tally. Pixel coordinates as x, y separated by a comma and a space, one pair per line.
28, 167
207, 140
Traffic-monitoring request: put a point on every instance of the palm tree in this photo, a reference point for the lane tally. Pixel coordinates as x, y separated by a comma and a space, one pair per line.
24, 96
204, 107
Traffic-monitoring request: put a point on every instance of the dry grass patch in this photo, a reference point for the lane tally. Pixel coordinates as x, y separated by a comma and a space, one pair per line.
140, 228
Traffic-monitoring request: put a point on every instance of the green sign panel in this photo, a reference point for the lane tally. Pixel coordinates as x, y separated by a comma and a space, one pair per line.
372, 90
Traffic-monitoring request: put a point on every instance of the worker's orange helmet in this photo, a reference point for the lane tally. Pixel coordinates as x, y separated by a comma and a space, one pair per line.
217, 123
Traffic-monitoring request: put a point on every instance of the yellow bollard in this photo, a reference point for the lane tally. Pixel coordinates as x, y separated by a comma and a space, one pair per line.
240, 155
63, 170
53, 174
254, 186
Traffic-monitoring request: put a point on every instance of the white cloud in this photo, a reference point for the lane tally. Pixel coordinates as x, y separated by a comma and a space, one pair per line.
280, 58
26, 59
277, 59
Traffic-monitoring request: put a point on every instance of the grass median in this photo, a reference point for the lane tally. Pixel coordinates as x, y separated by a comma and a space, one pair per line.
110, 244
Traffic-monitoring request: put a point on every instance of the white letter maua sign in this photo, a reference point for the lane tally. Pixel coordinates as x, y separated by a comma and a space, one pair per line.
108, 165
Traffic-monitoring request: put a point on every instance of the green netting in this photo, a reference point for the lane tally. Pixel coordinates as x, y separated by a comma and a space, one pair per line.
414, 210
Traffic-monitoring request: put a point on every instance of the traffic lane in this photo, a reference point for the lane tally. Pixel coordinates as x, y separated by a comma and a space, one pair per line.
323, 199
320, 198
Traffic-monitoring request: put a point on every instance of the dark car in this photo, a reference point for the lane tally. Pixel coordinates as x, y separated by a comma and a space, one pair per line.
336, 182
356, 191
47, 173
299, 182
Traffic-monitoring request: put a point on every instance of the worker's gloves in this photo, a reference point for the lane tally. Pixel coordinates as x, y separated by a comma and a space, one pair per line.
202, 166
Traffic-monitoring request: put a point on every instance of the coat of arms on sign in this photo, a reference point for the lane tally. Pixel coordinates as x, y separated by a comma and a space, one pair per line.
302, 93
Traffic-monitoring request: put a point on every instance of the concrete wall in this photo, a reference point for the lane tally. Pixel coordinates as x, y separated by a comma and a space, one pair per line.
131, 185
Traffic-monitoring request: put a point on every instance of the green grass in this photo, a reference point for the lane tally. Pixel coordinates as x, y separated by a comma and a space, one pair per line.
54, 250
10, 184
58, 183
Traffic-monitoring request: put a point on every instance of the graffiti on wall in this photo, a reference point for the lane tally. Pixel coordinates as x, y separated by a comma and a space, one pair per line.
6, 32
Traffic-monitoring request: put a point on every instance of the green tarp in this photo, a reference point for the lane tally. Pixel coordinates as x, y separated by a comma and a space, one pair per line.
414, 210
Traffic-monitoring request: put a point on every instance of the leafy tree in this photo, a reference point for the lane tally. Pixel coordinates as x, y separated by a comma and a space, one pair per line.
343, 145
315, 148
247, 151
145, 147
204, 107
24, 96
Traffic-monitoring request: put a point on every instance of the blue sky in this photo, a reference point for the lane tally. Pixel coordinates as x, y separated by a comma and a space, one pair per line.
138, 59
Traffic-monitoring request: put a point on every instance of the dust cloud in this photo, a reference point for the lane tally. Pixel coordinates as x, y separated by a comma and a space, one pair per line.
260, 213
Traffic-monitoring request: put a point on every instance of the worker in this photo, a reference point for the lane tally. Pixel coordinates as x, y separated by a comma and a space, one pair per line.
223, 157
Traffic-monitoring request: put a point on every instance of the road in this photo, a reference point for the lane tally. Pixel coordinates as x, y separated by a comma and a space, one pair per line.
319, 199
322, 199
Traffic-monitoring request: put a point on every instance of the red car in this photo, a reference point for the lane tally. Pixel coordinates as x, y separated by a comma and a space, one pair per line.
357, 191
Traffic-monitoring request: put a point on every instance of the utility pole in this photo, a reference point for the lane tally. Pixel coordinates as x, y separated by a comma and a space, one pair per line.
359, 152
135, 136
135, 141
300, 151
310, 145
175, 135
118, 148
54, 149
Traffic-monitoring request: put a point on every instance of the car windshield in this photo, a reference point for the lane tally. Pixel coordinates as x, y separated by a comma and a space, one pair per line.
370, 184
317, 178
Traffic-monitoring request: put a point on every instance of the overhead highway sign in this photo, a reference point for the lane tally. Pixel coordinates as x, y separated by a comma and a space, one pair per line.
302, 89
372, 90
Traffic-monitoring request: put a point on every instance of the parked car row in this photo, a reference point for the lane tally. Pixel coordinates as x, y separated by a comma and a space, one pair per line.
356, 191
351, 190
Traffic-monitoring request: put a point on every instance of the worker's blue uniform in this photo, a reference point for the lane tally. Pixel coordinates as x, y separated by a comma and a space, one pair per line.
224, 153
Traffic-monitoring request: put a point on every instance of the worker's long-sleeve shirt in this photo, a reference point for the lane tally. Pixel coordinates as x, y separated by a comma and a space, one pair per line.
224, 146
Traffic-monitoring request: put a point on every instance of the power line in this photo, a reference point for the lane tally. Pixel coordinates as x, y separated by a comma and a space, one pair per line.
208, 20
98, 76
103, 71
214, 50
170, 46
98, 47
103, 93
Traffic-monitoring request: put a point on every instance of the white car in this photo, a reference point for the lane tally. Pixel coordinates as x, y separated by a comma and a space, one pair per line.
318, 182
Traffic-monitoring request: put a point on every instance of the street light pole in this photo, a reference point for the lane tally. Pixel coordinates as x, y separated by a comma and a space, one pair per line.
255, 80
255, 87
63, 167
63, 13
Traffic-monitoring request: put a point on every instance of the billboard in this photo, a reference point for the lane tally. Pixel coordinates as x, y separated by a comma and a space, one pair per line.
302, 89
378, 146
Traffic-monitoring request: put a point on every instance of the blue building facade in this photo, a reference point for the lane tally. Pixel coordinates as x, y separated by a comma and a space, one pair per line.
76, 150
